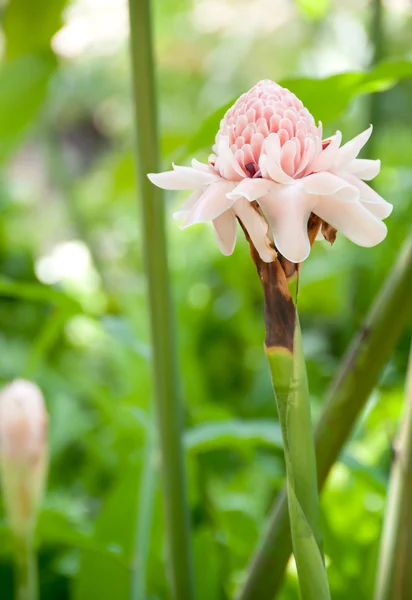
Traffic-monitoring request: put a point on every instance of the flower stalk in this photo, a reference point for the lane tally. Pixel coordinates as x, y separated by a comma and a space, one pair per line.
25, 568
168, 407
367, 354
283, 346
394, 576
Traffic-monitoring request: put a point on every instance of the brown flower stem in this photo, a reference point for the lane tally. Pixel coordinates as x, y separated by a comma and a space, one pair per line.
352, 386
280, 311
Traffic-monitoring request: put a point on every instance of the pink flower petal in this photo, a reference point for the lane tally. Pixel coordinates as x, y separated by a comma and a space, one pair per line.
188, 205
270, 161
287, 210
308, 152
351, 149
256, 143
225, 226
256, 227
328, 156
241, 123
382, 210
352, 219
201, 166
226, 163
182, 178
272, 148
326, 183
364, 168
251, 189
248, 154
273, 171
212, 203
371, 199
287, 159
283, 136
286, 124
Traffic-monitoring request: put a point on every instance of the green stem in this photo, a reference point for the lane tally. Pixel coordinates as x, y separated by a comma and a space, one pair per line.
292, 397
368, 353
394, 575
284, 351
25, 568
168, 406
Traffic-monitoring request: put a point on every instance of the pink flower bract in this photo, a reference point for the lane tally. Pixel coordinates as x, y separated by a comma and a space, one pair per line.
271, 170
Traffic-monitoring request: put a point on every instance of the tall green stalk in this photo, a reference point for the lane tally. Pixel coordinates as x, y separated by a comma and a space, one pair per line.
154, 248
369, 351
284, 351
292, 396
394, 575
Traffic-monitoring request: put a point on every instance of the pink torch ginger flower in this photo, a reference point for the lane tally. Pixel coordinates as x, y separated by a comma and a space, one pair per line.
271, 170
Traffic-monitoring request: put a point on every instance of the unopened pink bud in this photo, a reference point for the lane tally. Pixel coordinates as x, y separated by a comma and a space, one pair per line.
23, 452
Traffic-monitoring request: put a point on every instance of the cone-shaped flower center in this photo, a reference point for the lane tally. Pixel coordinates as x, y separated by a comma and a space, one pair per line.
267, 109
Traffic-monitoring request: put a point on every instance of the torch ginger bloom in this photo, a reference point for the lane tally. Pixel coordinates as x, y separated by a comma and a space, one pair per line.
271, 170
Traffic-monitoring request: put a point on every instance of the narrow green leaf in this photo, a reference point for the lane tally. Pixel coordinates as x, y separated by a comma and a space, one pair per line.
229, 434
37, 292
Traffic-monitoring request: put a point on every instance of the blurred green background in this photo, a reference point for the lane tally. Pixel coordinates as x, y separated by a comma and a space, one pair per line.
73, 311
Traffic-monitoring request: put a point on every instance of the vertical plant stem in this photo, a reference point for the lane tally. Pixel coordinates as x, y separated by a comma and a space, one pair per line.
369, 351
154, 247
284, 351
25, 568
292, 397
394, 574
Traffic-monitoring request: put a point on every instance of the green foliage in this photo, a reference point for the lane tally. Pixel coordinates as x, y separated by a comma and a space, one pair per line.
30, 24
232, 434
314, 9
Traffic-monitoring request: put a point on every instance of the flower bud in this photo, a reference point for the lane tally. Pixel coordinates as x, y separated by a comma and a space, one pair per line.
23, 453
